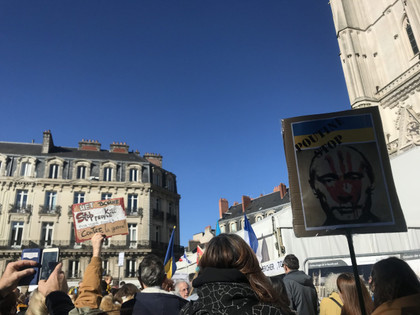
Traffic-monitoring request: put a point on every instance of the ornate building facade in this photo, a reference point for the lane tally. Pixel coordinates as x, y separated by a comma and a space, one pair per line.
40, 182
379, 45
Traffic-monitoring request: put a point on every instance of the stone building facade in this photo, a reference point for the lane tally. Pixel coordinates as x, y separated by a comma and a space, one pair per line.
40, 182
379, 45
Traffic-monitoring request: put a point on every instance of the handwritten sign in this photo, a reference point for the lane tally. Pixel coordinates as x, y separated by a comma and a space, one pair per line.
104, 216
339, 174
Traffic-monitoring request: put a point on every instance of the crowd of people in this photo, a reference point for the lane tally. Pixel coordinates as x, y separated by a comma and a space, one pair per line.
229, 281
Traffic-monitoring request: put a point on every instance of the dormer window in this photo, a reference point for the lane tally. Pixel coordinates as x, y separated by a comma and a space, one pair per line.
134, 175
25, 169
81, 172
53, 168
53, 171
81, 169
108, 172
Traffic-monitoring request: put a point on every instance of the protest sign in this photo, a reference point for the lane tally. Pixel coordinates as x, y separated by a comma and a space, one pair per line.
339, 174
104, 216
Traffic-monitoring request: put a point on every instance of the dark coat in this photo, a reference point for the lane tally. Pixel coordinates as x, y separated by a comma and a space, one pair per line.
302, 293
225, 292
154, 304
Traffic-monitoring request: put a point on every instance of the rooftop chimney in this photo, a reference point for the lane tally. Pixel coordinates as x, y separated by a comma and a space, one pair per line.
154, 158
47, 142
246, 201
89, 145
282, 189
223, 207
120, 147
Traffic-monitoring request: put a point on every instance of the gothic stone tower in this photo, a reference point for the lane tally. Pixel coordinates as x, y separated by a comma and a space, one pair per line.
379, 44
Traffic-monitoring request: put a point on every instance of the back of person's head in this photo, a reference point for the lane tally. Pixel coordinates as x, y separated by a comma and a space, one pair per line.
37, 304
107, 305
151, 271
393, 278
291, 261
346, 285
230, 251
126, 293
278, 285
331, 283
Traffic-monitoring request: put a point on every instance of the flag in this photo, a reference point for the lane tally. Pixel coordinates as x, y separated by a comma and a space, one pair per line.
185, 258
199, 253
170, 265
249, 235
217, 228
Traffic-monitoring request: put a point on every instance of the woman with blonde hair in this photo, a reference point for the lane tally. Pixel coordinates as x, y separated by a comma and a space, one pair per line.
230, 281
346, 285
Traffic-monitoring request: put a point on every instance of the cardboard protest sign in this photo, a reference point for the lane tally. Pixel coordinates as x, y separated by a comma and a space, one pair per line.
104, 216
339, 174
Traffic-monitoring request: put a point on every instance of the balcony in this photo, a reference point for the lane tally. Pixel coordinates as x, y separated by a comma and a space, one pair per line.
157, 214
171, 217
22, 209
49, 210
136, 212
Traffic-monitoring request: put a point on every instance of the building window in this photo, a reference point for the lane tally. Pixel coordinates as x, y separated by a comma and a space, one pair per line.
157, 203
233, 227
157, 234
106, 196
73, 269
81, 172
134, 175
222, 229
171, 208
132, 203
105, 266
131, 268
50, 200
258, 218
411, 38
53, 171
16, 237
47, 234
25, 169
73, 242
170, 184
157, 178
79, 197
21, 199
132, 235
108, 174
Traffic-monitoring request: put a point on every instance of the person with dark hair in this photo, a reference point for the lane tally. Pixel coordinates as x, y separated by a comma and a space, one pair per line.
346, 285
299, 287
153, 300
278, 285
230, 281
395, 287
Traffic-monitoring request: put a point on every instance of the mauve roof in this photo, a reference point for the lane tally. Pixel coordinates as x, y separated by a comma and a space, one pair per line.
261, 203
63, 152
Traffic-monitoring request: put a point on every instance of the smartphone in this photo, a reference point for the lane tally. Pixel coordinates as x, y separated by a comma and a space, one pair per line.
31, 254
48, 262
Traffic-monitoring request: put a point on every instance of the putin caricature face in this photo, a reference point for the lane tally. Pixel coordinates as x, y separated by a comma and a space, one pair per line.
343, 180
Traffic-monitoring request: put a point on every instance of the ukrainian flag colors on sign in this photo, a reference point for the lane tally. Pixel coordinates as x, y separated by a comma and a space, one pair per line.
316, 133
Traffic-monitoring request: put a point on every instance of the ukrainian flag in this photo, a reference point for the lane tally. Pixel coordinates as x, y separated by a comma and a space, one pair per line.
170, 265
350, 129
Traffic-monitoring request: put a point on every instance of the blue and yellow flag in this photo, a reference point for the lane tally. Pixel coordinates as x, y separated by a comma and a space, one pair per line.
170, 265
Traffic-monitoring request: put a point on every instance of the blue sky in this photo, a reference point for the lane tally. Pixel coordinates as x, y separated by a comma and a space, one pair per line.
204, 83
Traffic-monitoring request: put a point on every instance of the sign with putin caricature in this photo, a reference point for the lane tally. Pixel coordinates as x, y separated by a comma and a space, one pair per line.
104, 216
339, 174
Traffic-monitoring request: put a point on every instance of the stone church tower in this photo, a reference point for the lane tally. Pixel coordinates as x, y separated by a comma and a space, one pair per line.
379, 43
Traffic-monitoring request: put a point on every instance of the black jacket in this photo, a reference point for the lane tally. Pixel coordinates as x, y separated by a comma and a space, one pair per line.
154, 304
301, 292
225, 292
